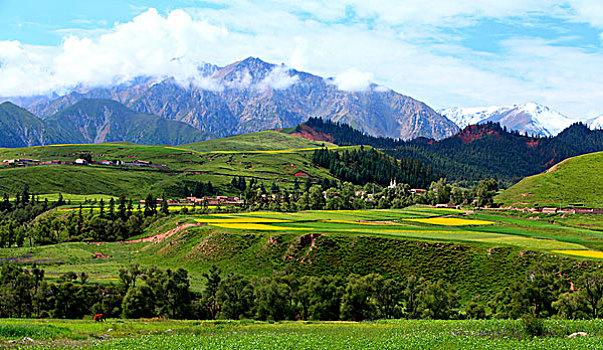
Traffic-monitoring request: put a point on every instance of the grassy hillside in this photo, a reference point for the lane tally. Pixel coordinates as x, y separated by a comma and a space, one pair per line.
429, 242
267, 157
268, 140
575, 180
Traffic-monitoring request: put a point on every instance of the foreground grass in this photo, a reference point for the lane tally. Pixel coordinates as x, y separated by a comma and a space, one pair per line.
399, 334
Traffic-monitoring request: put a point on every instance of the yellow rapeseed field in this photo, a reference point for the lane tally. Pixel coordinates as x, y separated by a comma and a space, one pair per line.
583, 253
358, 222
254, 213
240, 220
451, 221
259, 227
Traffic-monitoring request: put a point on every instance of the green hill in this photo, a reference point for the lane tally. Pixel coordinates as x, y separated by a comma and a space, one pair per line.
268, 140
266, 156
476, 152
574, 180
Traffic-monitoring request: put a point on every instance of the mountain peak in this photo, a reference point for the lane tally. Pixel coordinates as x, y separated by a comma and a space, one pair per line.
531, 118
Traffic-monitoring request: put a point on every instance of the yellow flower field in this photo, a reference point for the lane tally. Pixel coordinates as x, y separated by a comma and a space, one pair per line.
254, 213
451, 221
583, 253
259, 227
240, 220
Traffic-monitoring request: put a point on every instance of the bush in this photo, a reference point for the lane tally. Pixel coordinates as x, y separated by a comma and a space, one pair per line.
532, 326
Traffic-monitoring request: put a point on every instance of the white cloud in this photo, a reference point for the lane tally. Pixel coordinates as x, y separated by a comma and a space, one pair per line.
353, 80
279, 78
148, 45
383, 38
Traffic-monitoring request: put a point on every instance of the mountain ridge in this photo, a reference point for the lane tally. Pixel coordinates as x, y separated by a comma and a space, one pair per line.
91, 121
530, 118
252, 95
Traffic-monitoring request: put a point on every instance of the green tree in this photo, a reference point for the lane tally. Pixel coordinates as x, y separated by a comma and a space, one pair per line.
592, 293
235, 297
439, 300
139, 302
358, 301
210, 292
485, 192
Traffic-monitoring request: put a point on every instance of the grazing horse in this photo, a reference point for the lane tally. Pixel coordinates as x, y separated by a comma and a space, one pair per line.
99, 318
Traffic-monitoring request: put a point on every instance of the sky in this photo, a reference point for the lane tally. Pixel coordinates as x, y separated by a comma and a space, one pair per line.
461, 53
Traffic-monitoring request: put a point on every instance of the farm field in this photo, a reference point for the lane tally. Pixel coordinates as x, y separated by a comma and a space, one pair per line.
416, 240
395, 334
267, 156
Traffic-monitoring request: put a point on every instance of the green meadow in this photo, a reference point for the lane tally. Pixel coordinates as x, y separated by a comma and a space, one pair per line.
402, 334
266, 156
575, 181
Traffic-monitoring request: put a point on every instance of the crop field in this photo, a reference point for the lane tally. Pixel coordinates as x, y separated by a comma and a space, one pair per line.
417, 222
395, 334
327, 242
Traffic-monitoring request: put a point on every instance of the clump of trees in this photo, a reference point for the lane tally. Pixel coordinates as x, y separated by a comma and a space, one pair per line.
26, 220
362, 166
334, 195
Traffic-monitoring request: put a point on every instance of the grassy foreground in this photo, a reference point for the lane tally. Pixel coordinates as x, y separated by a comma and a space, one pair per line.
397, 334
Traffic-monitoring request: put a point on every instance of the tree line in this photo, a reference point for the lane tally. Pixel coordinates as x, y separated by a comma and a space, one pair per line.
144, 292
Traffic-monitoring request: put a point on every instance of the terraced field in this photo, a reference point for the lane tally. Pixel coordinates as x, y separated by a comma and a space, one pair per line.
418, 240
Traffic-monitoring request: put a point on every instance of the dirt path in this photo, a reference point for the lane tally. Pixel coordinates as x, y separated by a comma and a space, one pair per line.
161, 236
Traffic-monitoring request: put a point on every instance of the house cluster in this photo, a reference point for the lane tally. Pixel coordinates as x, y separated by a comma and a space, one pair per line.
20, 162
201, 201
81, 161
553, 210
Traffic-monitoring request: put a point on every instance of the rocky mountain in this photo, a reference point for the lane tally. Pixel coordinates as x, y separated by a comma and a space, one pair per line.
91, 121
252, 95
530, 118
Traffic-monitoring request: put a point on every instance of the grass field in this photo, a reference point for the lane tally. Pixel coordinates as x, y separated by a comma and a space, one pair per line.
154, 334
258, 141
577, 180
266, 156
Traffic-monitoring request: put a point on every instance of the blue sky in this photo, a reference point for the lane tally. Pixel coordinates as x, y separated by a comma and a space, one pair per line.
446, 53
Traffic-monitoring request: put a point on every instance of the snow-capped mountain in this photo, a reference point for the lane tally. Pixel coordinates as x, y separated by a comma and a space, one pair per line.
595, 123
530, 118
